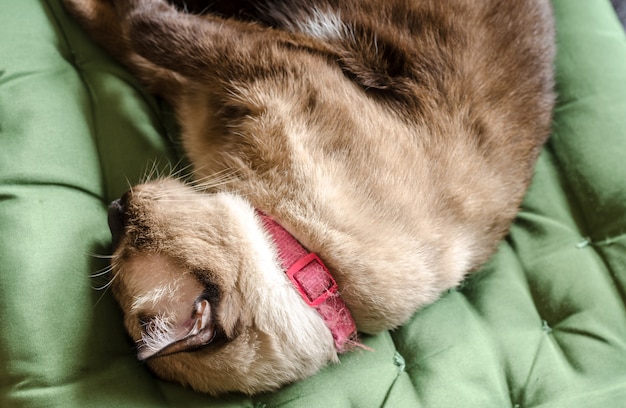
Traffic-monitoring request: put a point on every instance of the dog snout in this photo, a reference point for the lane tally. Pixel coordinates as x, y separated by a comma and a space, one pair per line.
116, 219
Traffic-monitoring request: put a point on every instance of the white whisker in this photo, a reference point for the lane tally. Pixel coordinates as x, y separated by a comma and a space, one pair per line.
104, 290
100, 256
103, 287
151, 172
214, 181
102, 272
129, 184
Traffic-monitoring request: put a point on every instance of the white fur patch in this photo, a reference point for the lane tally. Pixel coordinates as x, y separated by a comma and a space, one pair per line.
325, 25
157, 334
280, 310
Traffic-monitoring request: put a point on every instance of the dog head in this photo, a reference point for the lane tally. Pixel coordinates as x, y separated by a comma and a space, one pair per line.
203, 293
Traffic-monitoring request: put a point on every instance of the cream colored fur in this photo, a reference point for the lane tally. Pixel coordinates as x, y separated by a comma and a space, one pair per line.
399, 156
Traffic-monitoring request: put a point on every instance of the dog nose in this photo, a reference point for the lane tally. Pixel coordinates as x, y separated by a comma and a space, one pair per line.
116, 217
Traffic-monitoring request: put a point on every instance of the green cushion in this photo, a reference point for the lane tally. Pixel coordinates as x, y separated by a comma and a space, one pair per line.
543, 324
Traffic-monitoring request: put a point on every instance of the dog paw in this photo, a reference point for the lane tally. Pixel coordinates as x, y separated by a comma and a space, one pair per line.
88, 10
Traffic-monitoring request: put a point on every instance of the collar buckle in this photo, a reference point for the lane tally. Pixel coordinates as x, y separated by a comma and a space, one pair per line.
325, 286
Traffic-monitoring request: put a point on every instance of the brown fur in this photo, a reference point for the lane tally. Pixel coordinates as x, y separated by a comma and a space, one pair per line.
394, 138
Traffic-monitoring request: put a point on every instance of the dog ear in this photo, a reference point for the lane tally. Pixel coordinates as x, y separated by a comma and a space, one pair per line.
103, 23
212, 48
203, 331
99, 19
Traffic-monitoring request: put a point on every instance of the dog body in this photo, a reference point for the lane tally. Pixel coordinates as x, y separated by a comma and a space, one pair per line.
395, 139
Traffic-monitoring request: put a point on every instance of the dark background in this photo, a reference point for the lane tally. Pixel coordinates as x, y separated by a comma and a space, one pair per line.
620, 7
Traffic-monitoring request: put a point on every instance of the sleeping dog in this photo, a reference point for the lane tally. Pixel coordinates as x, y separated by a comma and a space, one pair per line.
352, 161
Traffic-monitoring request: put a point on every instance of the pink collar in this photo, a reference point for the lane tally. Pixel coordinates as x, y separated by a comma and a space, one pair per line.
315, 284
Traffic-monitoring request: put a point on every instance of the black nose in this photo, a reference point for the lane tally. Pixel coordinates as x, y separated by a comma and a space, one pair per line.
116, 217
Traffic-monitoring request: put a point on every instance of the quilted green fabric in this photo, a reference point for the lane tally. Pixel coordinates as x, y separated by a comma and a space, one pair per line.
542, 325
